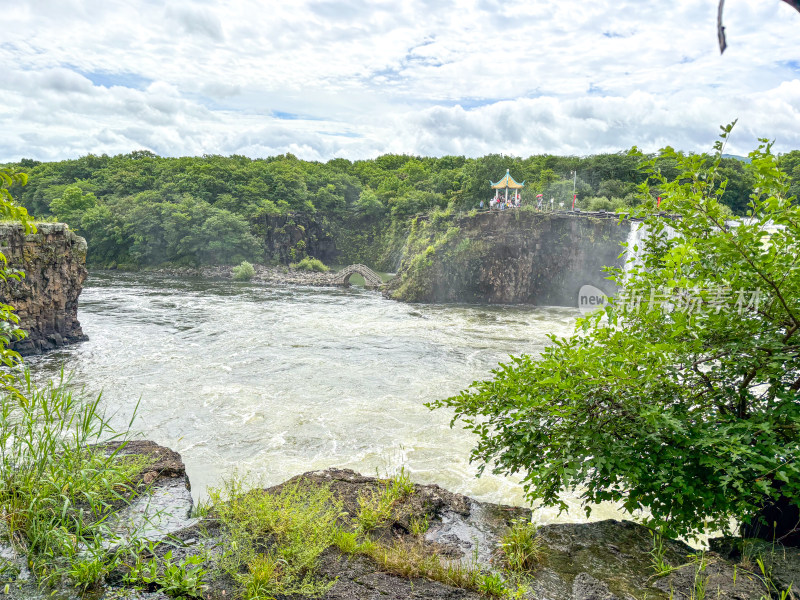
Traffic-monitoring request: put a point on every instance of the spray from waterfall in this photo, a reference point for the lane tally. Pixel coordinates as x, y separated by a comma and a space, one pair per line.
638, 237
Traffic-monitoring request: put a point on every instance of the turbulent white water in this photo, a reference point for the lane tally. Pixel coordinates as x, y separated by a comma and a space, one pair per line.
279, 381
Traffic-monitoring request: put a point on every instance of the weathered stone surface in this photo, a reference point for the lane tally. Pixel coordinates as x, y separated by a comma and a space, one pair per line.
283, 275
46, 300
781, 563
618, 555
166, 505
515, 257
371, 278
586, 587
607, 560
288, 238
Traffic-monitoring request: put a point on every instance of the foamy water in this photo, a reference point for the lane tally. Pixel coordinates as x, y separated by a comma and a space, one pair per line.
278, 381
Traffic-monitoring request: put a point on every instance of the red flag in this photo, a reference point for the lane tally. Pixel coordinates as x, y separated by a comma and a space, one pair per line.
574, 197
658, 203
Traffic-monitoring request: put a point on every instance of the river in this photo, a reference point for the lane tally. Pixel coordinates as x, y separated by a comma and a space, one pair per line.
276, 381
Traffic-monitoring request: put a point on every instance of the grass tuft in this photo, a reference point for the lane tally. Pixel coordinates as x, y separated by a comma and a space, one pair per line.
520, 549
276, 538
311, 264
57, 486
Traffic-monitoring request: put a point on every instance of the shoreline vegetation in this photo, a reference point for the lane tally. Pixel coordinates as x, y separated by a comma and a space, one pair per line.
327, 533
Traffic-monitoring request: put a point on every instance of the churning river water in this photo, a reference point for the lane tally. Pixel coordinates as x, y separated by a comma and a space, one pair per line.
277, 381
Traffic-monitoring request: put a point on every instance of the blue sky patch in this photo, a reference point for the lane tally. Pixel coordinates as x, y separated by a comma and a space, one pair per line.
286, 116
107, 80
470, 103
347, 134
794, 65
390, 73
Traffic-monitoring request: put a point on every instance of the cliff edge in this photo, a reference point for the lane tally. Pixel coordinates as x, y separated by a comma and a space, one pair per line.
46, 299
508, 257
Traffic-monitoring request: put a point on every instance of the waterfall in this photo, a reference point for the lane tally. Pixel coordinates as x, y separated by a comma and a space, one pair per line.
399, 260
637, 237
635, 241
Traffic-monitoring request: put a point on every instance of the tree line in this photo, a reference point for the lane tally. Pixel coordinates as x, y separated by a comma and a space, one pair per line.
143, 210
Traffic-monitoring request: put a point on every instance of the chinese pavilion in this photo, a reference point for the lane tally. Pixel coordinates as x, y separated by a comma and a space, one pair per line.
507, 183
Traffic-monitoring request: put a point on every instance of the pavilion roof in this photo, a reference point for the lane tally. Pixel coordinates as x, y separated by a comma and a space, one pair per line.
507, 182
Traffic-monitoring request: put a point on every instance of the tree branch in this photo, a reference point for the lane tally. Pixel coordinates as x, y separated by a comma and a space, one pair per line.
795, 4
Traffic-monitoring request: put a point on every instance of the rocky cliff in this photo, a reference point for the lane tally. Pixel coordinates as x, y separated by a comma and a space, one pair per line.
46, 299
508, 257
289, 238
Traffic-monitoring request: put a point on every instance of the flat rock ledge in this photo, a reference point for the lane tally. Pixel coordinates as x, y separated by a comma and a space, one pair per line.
605, 560
263, 274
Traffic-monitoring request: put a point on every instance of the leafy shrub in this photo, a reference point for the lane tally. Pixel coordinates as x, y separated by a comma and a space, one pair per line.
311, 264
601, 203
244, 271
177, 579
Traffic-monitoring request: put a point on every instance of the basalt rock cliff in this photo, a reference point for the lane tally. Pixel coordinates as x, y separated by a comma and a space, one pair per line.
508, 257
46, 299
289, 238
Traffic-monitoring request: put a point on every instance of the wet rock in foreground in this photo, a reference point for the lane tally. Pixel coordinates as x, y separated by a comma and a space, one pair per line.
606, 560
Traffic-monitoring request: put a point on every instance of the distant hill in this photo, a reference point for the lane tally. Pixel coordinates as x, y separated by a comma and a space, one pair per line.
743, 159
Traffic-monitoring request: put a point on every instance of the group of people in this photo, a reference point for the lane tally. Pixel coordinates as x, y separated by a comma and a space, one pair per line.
499, 203
502, 203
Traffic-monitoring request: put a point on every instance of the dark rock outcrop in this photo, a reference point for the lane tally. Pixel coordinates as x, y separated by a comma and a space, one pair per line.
779, 519
46, 299
167, 505
510, 257
288, 238
782, 563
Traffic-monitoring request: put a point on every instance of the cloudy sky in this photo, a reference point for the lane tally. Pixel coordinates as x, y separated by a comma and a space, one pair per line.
359, 78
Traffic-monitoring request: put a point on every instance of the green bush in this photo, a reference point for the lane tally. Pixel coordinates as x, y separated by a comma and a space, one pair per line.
244, 271
601, 203
311, 264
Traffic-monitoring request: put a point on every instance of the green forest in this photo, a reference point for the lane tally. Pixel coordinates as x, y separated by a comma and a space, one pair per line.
139, 210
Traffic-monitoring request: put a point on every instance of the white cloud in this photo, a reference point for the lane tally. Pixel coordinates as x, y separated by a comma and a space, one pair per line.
324, 78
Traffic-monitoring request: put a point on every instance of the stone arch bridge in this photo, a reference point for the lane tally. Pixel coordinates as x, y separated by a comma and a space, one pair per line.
371, 278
